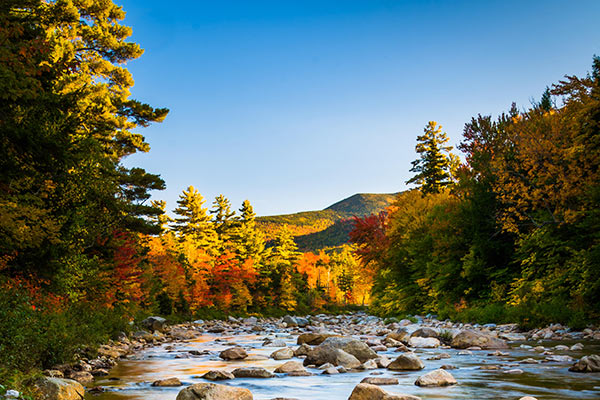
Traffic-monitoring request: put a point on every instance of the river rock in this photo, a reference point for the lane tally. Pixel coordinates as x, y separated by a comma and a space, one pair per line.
290, 366
81, 376
302, 350
425, 333
218, 375
314, 338
470, 338
59, 389
358, 349
233, 353
587, 364
290, 321
406, 362
154, 323
401, 335
379, 381
325, 354
365, 391
169, 382
331, 371
369, 364
438, 377
302, 322
527, 398
424, 342
252, 372
212, 391
283, 354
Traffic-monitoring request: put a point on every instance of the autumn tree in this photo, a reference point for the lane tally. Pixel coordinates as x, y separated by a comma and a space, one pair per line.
436, 167
67, 123
194, 223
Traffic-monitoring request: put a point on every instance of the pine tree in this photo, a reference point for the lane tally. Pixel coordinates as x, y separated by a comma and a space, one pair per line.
280, 263
249, 241
194, 223
436, 167
223, 218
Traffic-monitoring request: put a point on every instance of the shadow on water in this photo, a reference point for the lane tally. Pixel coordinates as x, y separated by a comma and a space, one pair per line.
131, 379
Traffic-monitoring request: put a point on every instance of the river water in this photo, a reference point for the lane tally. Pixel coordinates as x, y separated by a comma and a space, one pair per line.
132, 377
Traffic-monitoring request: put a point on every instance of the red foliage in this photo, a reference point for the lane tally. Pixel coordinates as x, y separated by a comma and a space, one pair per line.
369, 235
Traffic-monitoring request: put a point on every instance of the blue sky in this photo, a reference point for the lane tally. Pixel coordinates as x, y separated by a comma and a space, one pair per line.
295, 105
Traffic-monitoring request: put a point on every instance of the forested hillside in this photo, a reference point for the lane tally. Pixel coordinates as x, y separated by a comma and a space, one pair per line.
316, 230
512, 235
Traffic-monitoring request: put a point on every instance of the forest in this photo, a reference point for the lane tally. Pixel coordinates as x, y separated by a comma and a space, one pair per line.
511, 234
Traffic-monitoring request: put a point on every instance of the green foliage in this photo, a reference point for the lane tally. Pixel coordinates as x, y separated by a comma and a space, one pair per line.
34, 338
436, 167
517, 239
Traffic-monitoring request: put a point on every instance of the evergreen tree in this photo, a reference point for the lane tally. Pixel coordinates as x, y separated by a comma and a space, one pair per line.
281, 260
194, 223
223, 218
436, 167
249, 241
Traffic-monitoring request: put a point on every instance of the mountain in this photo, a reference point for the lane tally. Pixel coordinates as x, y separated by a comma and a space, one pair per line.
315, 230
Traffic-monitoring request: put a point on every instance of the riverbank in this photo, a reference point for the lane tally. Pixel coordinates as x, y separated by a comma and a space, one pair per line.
500, 355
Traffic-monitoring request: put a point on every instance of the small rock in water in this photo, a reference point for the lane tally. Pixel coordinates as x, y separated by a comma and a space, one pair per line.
218, 375
169, 382
290, 366
380, 381
406, 362
283, 354
438, 377
252, 372
577, 347
233, 353
12, 394
331, 371
515, 371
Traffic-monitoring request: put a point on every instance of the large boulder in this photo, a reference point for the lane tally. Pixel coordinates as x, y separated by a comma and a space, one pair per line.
59, 389
424, 342
470, 338
212, 391
324, 354
587, 364
406, 362
233, 353
357, 348
365, 391
438, 377
154, 323
290, 321
252, 372
313, 338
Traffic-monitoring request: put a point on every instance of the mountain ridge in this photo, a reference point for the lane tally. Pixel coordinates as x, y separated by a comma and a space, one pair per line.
319, 229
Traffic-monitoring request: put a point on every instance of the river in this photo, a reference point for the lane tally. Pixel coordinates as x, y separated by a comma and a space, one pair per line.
132, 377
